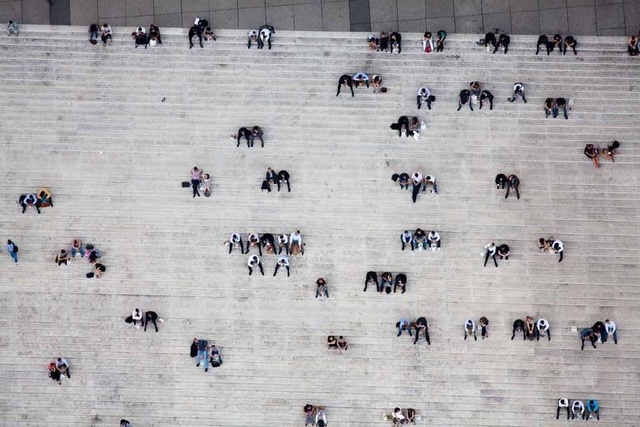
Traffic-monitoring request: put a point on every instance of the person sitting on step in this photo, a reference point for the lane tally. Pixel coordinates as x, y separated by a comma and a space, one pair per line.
346, 81
195, 31
529, 328
501, 181
542, 329
384, 42
395, 41
268, 242
154, 35
253, 240
283, 178
44, 196
215, 358
557, 247
257, 133
486, 96
62, 258
484, 324
518, 92
424, 95
386, 283
12, 28
470, 329
543, 41
406, 238
571, 43
427, 42
489, 42
434, 240
403, 325
503, 42
463, 98
556, 43
29, 200
209, 34
371, 278
252, 38
342, 343
141, 37
632, 45
549, 106
518, 326
401, 282
322, 290
560, 104
374, 42
607, 152
563, 403
577, 409
376, 83
545, 244
361, 79
592, 408
283, 243
321, 417
295, 243
420, 239
265, 34
591, 153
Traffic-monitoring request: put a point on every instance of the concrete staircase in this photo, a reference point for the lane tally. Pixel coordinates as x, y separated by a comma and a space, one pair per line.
89, 123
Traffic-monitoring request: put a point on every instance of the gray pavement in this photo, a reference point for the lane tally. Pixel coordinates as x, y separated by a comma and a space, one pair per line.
578, 17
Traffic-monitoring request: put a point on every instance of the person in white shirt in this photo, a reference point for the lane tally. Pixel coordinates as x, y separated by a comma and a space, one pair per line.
252, 37
235, 240
404, 325
542, 328
295, 243
106, 34
283, 261
610, 327
266, 33
63, 366
557, 248
518, 91
434, 240
361, 79
406, 238
577, 409
254, 241
321, 417
563, 403
416, 180
491, 252
254, 261
283, 241
398, 416
424, 95
470, 329
136, 315
430, 179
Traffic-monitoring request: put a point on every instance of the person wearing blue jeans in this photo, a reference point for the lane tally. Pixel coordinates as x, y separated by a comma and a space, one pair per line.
404, 325
561, 103
587, 334
13, 250
203, 347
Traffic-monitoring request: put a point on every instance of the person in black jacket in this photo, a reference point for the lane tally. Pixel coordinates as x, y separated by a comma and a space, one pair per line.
345, 80
514, 184
268, 241
94, 30
488, 96
463, 98
372, 276
271, 177
489, 42
256, 132
401, 281
518, 326
384, 42
195, 32
422, 325
283, 176
556, 43
152, 316
245, 133
395, 40
543, 40
503, 42
570, 42
501, 181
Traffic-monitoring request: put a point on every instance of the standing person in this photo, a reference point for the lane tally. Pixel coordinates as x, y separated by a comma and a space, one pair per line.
543, 40
442, 35
470, 329
422, 325
463, 98
404, 325
491, 252
12, 249
63, 366
106, 34
513, 184
283, 176
557, 247
395, 40
570, 42
203, 347
434, 240
295, 243
195, 181
76, 248
416, 180
610, 327
152, 316
484, 323
254, 261
503, 252
346, 81
321, 288
406, 238
485, 95
236, 240
283, 242
424, 95
518, 91
136, 316
283, 261
195, 31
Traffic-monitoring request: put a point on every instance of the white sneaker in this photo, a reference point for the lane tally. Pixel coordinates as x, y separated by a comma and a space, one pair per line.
137, 326
438, 249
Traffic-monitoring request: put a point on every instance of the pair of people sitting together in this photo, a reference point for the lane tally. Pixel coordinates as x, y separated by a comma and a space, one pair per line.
470, 328
420, 325
531, 329
553, 106
407, 128
314, 415
278, 179
511, 182
263, 35
250, 134
592, 152
142, 38
552, 245
491, 43
41, 199
386, 283
201, 29
400, 416
337, 343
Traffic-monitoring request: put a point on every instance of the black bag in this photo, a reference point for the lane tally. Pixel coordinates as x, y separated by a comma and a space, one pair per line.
383, 89
15, 248
194, 350
432, 98
186, 184
90, 275
129, 319
93, 41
